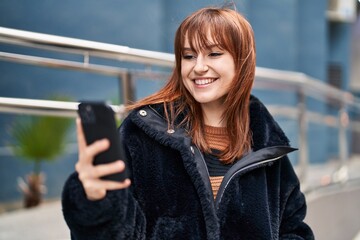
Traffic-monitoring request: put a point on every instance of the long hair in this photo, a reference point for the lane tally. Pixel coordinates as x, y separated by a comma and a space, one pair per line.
232, 32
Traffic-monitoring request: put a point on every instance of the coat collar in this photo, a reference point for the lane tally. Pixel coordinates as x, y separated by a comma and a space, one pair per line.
265, 130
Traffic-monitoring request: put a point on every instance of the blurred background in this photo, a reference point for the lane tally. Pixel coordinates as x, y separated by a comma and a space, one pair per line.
308, 74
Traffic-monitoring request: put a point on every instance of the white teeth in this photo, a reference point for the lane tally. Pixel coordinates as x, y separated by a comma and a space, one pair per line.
204, 81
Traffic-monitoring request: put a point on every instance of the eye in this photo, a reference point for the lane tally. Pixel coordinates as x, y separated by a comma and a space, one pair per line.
215, 54
188, 56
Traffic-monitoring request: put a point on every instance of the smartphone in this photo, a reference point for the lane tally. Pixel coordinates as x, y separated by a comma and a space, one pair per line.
98, 122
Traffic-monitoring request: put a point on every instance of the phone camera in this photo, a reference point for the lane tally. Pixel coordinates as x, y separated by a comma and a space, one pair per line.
88, 115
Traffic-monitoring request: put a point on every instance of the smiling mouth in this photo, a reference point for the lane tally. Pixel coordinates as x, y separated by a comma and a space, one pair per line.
204, 81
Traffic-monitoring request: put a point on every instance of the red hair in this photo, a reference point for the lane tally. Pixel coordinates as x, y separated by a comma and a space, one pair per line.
232, 32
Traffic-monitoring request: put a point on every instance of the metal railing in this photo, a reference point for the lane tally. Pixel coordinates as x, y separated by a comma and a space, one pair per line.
301, 84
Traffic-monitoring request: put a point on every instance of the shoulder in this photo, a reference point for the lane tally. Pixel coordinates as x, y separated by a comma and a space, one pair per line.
265, 130
149, 119
148, 123
259, 114
255, 102
135, 114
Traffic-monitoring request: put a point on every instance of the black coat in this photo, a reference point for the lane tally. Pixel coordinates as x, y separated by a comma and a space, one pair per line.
171, 198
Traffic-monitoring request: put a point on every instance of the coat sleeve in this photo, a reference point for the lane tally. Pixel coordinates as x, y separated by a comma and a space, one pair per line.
117, 216
293, 204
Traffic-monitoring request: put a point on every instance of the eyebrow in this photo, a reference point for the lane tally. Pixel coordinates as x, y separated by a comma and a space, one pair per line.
208, 47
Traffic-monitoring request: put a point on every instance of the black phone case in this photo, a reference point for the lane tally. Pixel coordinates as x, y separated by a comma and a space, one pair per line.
98, 122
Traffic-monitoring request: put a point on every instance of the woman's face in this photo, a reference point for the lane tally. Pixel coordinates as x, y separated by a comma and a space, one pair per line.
207, 73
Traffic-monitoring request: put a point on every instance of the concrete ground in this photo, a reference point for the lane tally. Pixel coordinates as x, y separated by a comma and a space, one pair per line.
334, 213
45, 222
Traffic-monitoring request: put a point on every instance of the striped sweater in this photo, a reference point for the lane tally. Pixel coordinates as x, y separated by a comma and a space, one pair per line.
218, 140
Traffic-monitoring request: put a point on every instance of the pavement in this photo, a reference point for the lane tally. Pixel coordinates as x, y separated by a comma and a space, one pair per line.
335, 213
45, 222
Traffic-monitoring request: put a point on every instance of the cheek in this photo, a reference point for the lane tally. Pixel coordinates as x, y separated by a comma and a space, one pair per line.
186, 68
185, 74
183, 70
185, 83
232, 74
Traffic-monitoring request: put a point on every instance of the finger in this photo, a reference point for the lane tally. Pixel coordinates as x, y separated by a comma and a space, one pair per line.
93, 190
90, 172
93, 149
80, 135
113, 185
109, 168
96, 189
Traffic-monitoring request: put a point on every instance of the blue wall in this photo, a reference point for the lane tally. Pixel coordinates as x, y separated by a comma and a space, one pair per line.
110, 21
312, 60
275, 33
290, 35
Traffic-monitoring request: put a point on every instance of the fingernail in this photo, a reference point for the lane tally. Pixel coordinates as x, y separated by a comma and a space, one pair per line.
121, 164
104, 141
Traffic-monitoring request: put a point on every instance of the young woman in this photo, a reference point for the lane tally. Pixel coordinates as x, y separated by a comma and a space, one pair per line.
207, 160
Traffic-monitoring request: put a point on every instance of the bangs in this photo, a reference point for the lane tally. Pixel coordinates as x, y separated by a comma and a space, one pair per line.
198, 28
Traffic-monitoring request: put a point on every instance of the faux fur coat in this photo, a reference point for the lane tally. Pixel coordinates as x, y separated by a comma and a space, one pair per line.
171, 198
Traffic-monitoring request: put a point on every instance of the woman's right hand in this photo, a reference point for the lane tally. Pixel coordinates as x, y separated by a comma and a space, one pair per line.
89, 175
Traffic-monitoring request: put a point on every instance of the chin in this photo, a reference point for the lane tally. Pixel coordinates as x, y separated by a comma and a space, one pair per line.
201, 100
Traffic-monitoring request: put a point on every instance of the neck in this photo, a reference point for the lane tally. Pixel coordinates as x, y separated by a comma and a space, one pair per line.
213, 115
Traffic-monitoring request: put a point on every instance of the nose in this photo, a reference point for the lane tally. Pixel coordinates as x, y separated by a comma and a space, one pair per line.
200, 65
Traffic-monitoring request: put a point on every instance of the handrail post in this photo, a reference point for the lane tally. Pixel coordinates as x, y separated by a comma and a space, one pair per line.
343, 143
342, 173
303, 143
127, 88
